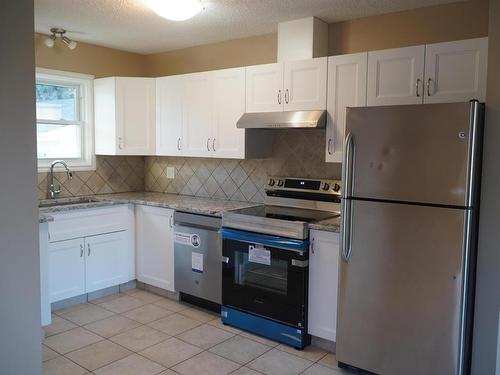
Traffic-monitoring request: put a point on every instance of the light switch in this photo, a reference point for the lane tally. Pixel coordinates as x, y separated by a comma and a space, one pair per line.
170, 172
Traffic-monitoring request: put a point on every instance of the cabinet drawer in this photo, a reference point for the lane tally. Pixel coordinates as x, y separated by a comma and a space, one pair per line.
88, 222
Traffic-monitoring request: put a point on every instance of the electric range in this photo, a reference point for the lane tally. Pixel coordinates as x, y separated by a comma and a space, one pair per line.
266, 258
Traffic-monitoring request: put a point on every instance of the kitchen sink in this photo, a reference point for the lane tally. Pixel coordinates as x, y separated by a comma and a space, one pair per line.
66, 202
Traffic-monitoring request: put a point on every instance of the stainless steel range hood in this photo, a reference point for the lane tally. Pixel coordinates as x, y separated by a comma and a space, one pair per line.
291, 120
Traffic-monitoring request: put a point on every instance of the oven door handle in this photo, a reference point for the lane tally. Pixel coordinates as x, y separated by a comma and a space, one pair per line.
265, 240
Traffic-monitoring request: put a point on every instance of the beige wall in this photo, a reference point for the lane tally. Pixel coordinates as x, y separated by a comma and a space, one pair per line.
440, 23
229, 54
89, 59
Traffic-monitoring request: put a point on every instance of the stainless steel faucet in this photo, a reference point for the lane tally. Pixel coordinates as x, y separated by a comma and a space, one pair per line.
53, 192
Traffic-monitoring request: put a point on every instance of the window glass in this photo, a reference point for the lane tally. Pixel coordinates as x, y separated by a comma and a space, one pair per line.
56, 102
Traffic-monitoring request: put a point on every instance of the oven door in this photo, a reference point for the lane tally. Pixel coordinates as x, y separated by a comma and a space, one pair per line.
265, 275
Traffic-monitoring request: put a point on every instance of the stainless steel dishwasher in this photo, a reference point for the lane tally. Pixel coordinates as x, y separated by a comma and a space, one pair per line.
198, 252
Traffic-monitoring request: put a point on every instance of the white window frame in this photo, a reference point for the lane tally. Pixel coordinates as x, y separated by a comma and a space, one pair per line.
85, 106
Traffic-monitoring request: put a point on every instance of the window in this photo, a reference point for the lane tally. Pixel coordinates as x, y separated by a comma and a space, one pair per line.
64, 119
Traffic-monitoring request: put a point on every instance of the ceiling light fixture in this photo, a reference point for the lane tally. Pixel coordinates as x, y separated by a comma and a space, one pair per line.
176, 10
57, 32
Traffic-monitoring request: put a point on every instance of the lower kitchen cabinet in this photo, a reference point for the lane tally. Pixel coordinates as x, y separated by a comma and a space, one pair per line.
106, 260
323, 284
155, 246
66, 269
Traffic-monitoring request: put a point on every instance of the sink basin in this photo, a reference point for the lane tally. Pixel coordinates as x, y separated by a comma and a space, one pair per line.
66, 202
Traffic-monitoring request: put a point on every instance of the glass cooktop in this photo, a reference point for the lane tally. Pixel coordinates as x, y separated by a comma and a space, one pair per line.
287, 213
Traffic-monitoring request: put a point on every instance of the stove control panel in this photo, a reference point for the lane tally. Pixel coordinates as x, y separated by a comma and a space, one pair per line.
305, 185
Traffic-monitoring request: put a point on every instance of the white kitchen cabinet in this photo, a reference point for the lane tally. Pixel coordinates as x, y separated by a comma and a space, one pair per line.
169, 116
227, 141
323, 284
456, 71
66, 269
290, 86
155, 246
346, 88
305, 84
196, 113
44, 274
264, 88
395, 76
106, 260
125, 116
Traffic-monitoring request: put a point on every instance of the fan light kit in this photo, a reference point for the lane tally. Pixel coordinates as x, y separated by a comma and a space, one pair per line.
176, 10
57, 32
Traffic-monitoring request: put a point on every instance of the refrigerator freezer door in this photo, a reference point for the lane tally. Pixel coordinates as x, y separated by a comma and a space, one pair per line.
414, 153
400, 291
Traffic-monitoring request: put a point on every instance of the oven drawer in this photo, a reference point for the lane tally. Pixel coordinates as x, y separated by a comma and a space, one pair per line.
265, 275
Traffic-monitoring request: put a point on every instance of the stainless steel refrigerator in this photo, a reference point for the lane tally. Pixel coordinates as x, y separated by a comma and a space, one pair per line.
410, 207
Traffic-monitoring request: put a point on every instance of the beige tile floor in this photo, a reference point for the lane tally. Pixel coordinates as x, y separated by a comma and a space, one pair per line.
140, 333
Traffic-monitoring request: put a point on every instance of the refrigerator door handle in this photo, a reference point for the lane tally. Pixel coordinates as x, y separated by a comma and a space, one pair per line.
345, 228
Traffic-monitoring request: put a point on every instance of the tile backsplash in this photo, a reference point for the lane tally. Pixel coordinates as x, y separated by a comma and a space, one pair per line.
296, 153
113, 174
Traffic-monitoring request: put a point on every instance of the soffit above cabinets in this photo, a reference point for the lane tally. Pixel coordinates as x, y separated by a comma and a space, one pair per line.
132, 26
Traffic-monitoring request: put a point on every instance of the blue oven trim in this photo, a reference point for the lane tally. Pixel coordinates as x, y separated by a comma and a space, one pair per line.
265, 239
283, 333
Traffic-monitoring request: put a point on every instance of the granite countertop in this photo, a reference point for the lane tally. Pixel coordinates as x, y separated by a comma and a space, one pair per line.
328, 225
204, 206
44, 218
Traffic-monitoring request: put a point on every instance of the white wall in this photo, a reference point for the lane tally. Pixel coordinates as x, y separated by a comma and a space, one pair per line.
486, 316
20, 330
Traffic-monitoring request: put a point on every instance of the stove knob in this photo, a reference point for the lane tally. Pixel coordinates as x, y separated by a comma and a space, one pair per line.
325, 186
336, 187
280, 183
271, 182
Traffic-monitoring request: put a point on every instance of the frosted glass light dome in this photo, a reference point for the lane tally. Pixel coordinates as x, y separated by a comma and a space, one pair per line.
176, 10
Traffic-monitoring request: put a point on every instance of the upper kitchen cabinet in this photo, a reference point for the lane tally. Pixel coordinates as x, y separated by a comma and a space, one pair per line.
228, 105
125, 114
346, 88
289, 86
395, 76
264, 88
196, 114
456, 71
169, 116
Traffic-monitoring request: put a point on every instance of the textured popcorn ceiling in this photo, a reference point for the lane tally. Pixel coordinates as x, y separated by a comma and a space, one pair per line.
130, 25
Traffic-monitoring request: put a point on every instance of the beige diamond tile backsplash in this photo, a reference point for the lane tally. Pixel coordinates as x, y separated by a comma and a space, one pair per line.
296, 153
113, 174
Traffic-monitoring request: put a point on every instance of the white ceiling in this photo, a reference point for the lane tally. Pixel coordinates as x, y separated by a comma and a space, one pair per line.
130, 25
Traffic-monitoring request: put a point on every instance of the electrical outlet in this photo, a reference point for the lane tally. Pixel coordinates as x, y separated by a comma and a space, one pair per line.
170, 172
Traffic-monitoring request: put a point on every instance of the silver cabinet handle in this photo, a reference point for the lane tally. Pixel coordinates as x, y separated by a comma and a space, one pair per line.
225, 260
208, 144
346, 205
120, 143
88, 249
329, 147
417, 86
213, 144
429, 86
279, 96
81, 250
179, 144
170, 221
312, 245
287, 96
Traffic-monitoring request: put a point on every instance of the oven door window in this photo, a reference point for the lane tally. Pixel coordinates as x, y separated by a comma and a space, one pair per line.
264, 280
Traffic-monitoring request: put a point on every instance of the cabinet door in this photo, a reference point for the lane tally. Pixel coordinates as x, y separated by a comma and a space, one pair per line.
346, 88
197, 114
66, 269
155, 246
323, 284
305, 84
264, 88
456, 71
395, 76
136, 115
106, 260
228, 105
169, 116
